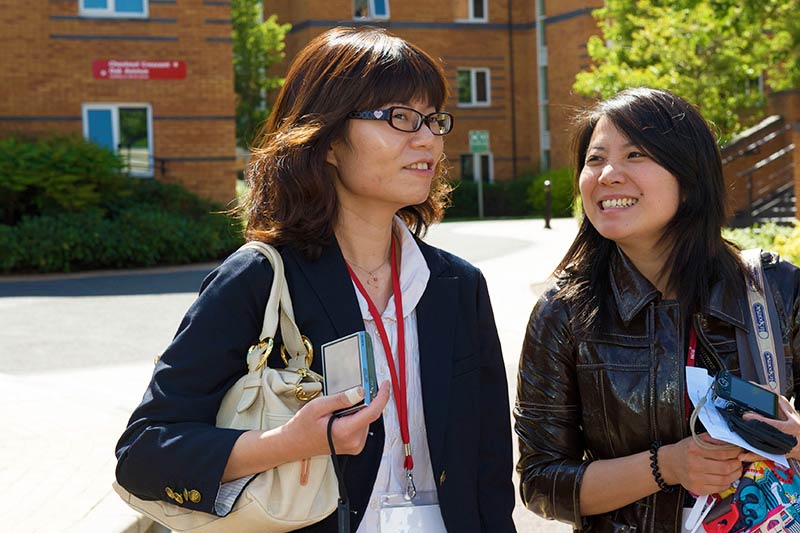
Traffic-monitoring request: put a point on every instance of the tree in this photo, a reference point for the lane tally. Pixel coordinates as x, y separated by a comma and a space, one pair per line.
257, 46
711, 52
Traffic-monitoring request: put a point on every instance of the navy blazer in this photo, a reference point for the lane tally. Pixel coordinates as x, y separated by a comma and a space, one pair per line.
172, 445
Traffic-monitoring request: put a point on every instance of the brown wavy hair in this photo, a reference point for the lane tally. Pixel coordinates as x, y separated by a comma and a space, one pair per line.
292, 198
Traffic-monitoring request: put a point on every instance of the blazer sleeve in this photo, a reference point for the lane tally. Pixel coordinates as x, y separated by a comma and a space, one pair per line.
171, 445
548, 416
495, 488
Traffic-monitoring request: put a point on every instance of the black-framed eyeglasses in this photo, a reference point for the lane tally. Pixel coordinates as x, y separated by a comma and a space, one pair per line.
409, 120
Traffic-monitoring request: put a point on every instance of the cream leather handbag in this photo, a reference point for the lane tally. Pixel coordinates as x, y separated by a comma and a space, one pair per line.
289, 496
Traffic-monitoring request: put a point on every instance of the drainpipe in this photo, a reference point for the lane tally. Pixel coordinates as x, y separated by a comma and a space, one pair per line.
513, 98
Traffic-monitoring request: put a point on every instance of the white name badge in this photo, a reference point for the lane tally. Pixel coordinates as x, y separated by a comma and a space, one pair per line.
399, 515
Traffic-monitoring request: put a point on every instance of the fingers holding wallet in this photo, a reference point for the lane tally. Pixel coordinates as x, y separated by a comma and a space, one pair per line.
789, 423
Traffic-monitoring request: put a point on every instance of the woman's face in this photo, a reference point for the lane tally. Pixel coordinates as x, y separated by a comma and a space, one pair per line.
628, 197
379, 167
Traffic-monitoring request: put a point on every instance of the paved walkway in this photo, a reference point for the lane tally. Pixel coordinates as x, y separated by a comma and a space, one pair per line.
76, 354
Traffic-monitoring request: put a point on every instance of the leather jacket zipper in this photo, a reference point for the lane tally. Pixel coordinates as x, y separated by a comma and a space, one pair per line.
707, 351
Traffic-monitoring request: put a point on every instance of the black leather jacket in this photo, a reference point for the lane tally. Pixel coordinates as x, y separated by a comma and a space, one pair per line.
611, 392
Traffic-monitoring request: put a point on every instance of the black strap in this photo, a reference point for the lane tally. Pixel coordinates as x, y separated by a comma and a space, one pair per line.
343, 509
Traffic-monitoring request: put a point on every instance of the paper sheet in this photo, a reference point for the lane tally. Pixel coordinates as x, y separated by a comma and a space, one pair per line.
698, 384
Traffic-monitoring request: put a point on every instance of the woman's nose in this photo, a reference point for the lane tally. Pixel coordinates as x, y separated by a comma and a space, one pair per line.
611, 173
424, 136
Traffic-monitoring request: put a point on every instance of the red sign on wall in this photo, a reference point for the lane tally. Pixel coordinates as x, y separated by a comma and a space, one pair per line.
138, 69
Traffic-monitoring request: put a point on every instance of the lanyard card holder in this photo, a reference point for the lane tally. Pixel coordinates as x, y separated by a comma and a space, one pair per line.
422, 514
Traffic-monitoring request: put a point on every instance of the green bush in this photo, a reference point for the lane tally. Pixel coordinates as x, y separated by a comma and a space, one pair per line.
140, 236
561, 192
500, 199
784, 240
55, 174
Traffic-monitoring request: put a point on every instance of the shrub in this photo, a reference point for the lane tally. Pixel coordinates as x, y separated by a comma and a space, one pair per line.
561, 192
55, 174
156, 224
500, 199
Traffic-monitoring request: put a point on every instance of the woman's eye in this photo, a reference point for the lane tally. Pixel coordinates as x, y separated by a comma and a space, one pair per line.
636, 155
400, 116
593, 158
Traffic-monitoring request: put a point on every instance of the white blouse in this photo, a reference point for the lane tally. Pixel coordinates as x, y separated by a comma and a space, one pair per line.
414, 275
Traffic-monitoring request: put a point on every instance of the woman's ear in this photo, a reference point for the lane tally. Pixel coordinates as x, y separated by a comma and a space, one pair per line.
330, 157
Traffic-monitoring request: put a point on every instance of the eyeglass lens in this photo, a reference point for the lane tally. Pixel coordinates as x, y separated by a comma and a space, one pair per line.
406, 119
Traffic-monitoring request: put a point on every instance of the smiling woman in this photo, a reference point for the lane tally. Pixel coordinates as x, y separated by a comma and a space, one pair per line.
648, 287
348, 175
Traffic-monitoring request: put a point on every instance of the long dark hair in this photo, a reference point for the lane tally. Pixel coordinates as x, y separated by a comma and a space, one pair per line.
678, 138
292, 198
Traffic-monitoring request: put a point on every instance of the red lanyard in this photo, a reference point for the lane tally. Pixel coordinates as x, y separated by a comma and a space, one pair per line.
690, 361
398, 381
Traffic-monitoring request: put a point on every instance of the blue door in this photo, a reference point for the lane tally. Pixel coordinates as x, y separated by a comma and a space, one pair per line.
101, 130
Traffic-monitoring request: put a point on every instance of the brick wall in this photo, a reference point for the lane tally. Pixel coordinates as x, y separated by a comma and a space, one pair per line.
46, 53
435, 27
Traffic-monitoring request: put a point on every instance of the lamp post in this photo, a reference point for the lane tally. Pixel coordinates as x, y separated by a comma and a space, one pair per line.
547, 206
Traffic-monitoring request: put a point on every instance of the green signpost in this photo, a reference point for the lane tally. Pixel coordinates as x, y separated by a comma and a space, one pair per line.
479, 144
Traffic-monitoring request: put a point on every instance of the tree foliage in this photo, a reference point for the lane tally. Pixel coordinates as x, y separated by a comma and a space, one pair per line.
711, 52
257, 46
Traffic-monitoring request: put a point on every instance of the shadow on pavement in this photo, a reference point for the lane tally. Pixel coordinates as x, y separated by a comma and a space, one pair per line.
185, 280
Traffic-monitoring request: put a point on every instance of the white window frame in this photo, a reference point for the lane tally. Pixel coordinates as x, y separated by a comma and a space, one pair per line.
114, 108
477, 169
473, 86
111, 11
372, 15
471, 12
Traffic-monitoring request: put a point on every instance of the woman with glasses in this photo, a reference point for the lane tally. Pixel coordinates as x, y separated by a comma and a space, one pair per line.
348, 175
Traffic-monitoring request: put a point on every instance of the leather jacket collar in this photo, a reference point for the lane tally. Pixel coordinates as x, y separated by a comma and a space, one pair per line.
632, 292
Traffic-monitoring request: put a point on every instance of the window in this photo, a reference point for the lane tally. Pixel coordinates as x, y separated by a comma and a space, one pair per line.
477, 167
113, 8
125, 128
371, 9
471, 11
473, 87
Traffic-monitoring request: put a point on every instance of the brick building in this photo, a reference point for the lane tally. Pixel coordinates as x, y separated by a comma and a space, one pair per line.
150, 78
489, 49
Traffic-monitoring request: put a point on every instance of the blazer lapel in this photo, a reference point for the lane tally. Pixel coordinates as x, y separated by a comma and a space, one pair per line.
436, 326
329, 279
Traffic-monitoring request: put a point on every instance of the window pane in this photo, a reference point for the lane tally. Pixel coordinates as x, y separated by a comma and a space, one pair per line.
129, 6
95, 4
477, 9
360, 9
464, 87
380, 8
485, 168
543, 74
467, 170
133, 145
481, 86
100, 128
545, 118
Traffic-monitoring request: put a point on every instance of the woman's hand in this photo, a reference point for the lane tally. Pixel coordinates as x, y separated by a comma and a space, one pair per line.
789, 424
307, 431
700, 470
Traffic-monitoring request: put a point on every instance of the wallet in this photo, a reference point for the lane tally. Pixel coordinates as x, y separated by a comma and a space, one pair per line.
759, 434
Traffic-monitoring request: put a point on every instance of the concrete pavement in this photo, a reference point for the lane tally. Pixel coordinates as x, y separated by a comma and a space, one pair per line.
76, 353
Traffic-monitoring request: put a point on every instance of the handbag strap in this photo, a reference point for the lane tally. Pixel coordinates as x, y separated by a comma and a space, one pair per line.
279, 310
765, 329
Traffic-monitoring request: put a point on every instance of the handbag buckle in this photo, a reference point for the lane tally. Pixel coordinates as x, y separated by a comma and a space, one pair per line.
269, 343
309, 352
299, 392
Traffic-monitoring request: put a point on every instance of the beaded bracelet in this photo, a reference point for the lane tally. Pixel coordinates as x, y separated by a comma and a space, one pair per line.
654, 466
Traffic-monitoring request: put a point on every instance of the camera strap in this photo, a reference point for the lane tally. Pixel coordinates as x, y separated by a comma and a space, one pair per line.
768, 363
